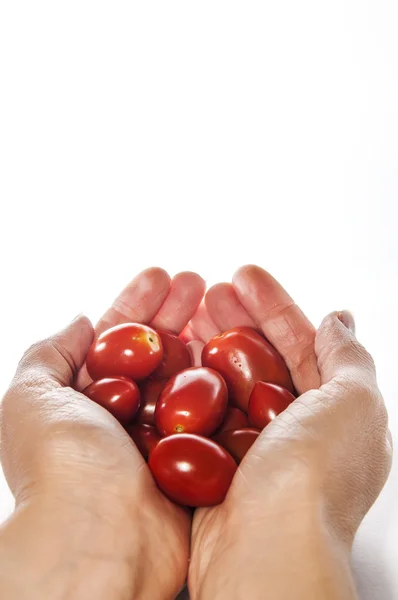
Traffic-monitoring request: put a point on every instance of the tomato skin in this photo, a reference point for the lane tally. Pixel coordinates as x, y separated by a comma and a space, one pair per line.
234, 419
120, 396
144, 436
237, 442
243, 357
176, 356
267, 400
192, 470
150, 391
193, 401
130, 349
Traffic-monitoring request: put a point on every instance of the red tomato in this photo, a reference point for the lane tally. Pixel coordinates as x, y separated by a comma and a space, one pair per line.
193, 401
192, 470
237, 442
150, 391
176, 356
120, 396
243, 357
234, 419
130, 349
266, 402
145, 437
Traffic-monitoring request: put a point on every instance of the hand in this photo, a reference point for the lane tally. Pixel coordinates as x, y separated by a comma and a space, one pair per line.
286, 527
89, 520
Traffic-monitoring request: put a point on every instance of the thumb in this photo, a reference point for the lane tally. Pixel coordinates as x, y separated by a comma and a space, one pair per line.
338, 350
60, 356
38, 407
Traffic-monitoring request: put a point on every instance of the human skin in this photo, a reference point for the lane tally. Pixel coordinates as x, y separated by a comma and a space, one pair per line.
91, 523
89, 520
287, 525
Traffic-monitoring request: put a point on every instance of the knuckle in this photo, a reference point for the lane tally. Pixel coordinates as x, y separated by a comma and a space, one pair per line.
34, 352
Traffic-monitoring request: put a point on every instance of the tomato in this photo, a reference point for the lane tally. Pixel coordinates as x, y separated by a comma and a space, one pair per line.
234, 419
120, 396
267, 400
176, 356
150, 391
145, 437
193, 401
130, 349
243, 357
192, 470
237, 442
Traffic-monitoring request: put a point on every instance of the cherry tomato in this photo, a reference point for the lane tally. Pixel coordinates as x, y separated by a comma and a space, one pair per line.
150, 391
234, 419
120, 396
237, 442
243, 357
176, 356
145, 437
192, 470
267, 400
193, 401
130, 349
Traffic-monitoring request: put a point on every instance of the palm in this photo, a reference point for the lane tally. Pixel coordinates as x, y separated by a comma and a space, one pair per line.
257, 300
151, 298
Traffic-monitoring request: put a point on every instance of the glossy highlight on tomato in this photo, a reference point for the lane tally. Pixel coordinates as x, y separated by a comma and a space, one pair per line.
192, 470
144, 436
267, 401
131, 349
120, 396
193, 401
243, 357
176, 356
150, 391
237, 442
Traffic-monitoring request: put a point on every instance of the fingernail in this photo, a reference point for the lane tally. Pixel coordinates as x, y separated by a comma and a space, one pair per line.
347, 318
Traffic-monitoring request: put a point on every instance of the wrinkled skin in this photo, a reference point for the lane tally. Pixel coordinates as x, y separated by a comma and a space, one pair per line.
76, 459
334, 437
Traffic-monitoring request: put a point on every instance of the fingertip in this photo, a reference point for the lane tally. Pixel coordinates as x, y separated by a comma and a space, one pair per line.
337, 347
337, 322
192, 280
186, 293
245, 271
225, 308
81, 326
330, 327
155, 273
152, 277
215, 291
347, 318
249, 271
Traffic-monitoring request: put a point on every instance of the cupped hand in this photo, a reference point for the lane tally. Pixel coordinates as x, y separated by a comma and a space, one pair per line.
78, 477
313, 472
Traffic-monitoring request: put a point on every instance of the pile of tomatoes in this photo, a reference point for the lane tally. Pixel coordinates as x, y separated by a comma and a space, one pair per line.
193, 424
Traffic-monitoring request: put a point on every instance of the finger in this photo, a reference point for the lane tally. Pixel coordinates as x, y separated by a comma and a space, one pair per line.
139, 301
338, 351
187, 334
203, 325
49, 432
225, 309
195, 348
57, 359
281, 321
44, 372
185, 295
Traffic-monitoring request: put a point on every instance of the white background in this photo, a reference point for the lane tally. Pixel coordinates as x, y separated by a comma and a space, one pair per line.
201, 136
